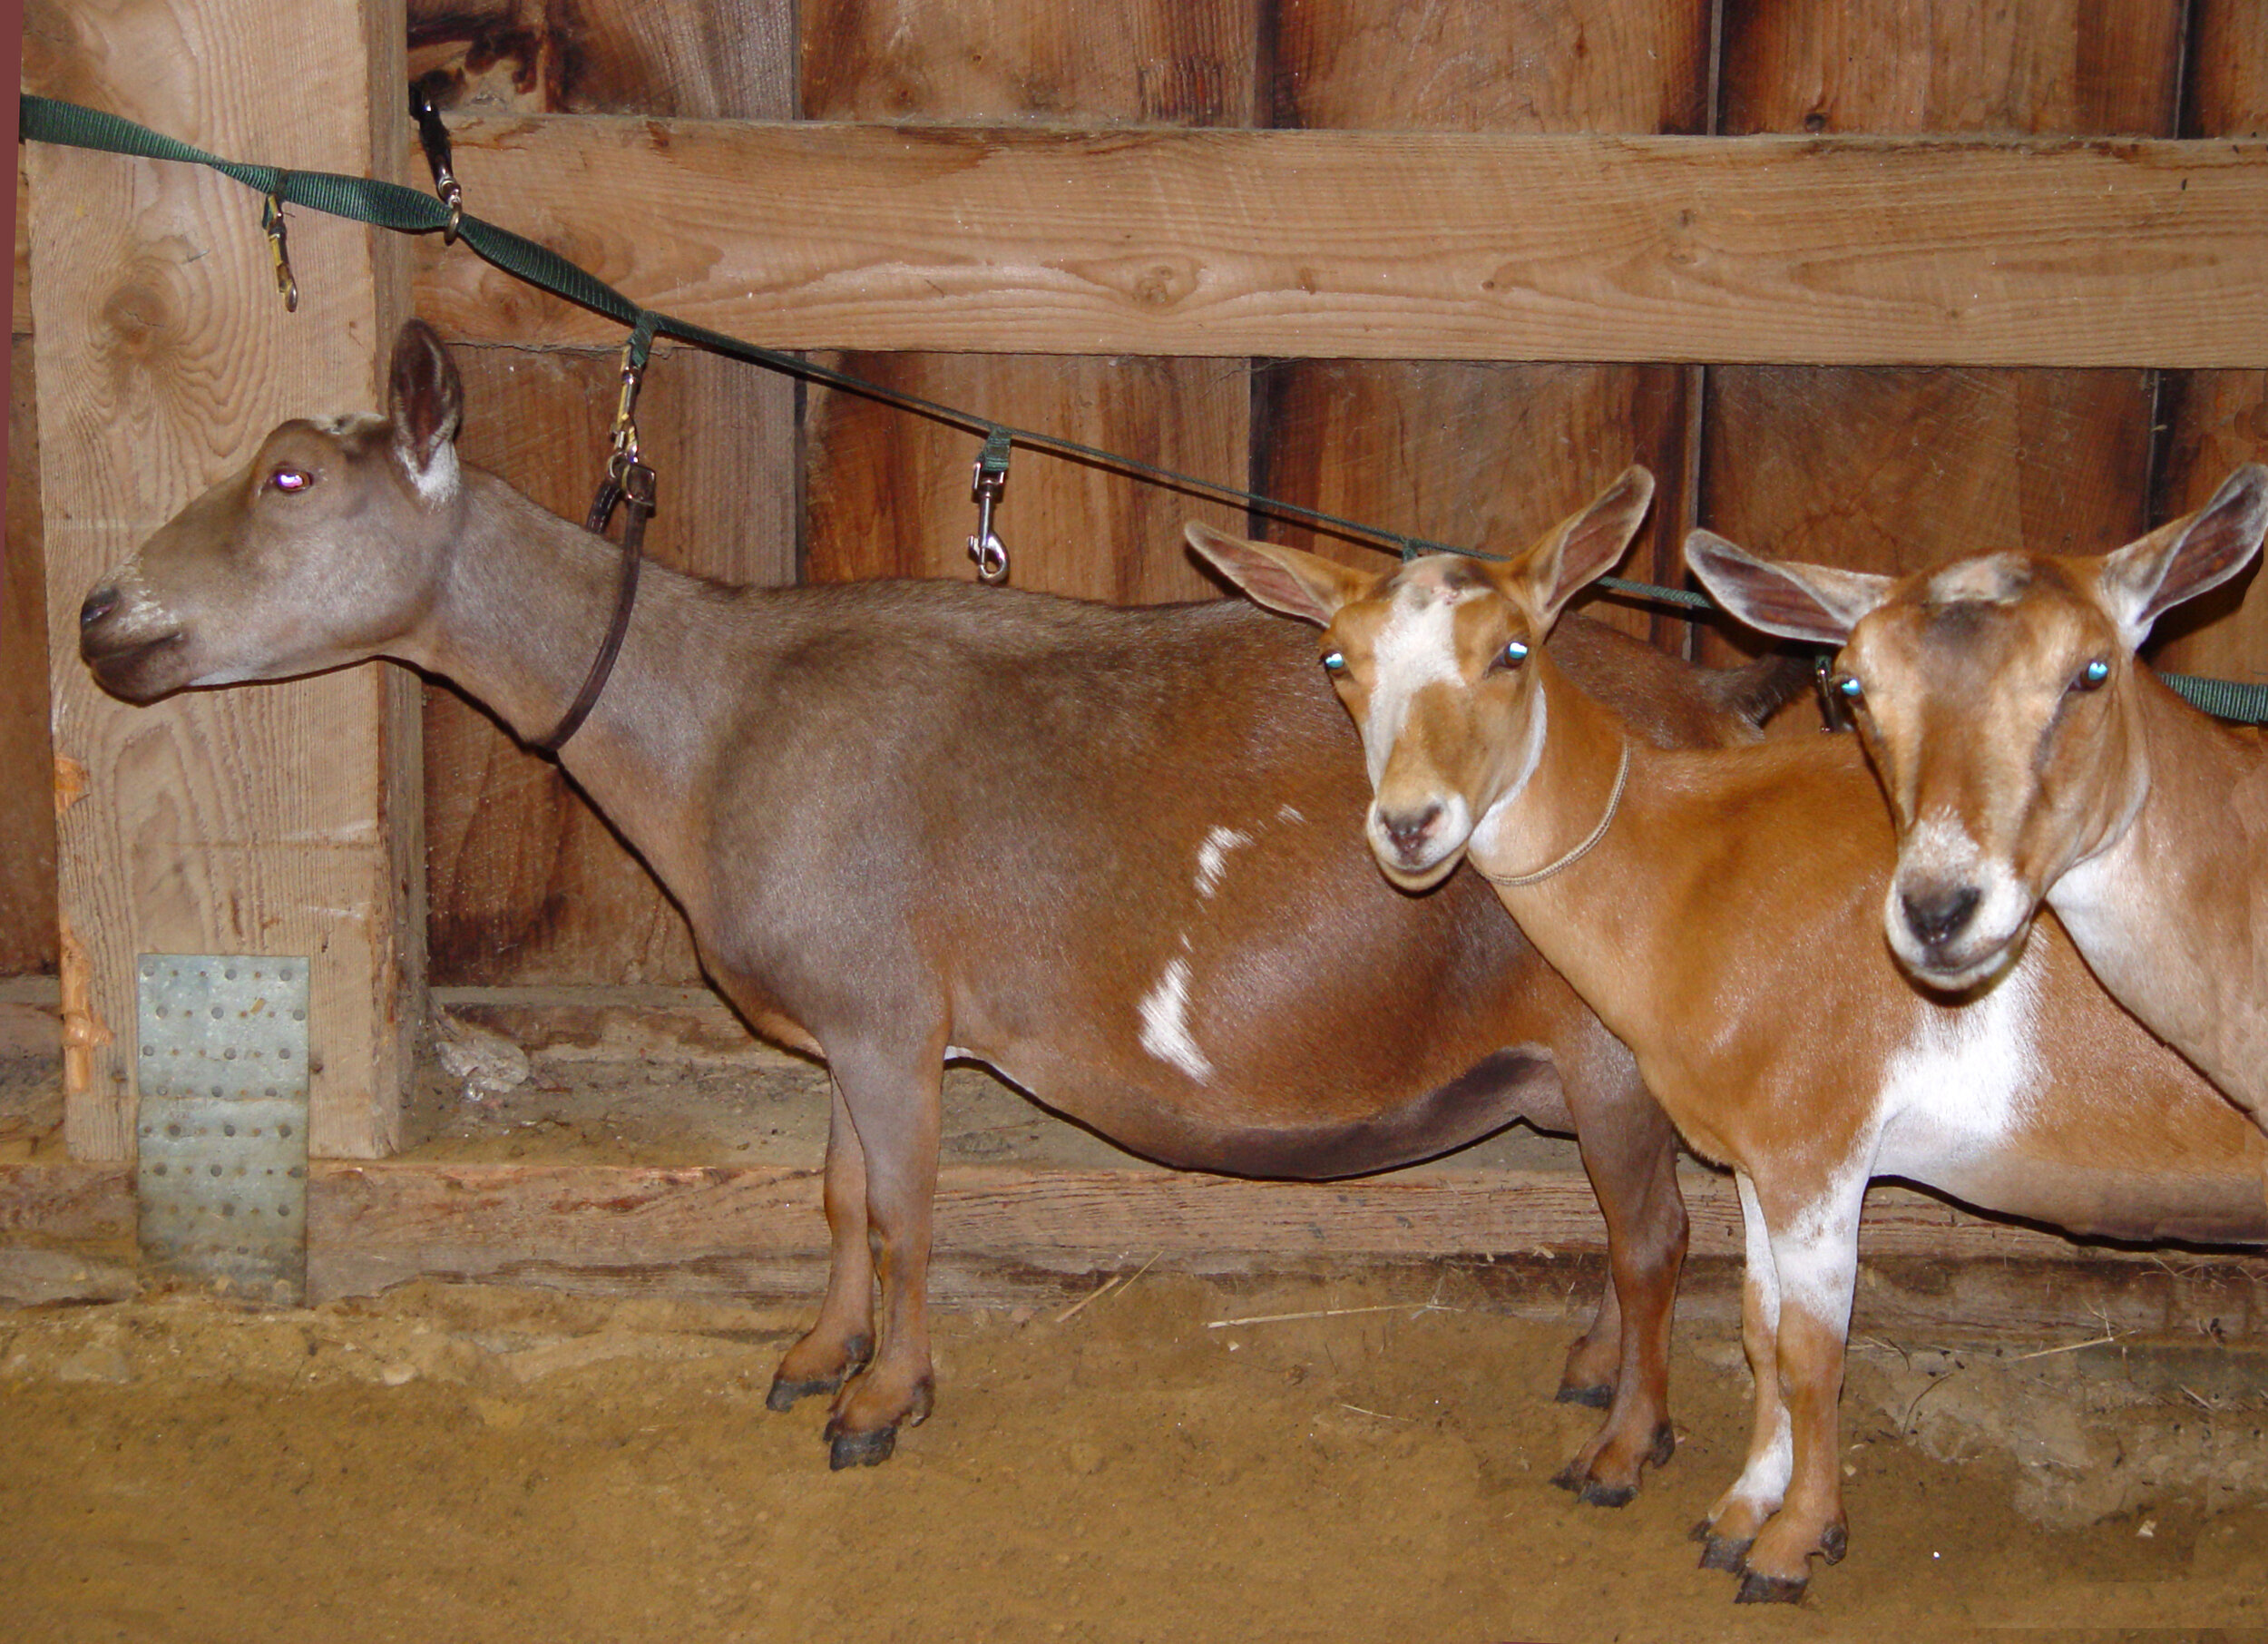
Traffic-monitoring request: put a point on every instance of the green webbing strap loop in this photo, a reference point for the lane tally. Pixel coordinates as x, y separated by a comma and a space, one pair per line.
993, 460
2223, 699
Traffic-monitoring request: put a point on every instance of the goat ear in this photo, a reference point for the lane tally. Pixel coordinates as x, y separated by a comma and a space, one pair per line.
2184, 558
1815, 602
424, 397
1588, 544
1303, 585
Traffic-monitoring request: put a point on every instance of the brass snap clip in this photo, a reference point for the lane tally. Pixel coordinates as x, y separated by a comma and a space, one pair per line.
987, 482
271, 223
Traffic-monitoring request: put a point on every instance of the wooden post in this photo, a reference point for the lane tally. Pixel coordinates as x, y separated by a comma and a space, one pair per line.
280, 819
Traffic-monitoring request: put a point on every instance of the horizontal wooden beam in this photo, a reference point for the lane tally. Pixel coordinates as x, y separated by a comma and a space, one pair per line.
1819, 250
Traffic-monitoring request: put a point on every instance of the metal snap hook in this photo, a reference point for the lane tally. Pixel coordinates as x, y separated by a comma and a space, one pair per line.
986, 483
271, 223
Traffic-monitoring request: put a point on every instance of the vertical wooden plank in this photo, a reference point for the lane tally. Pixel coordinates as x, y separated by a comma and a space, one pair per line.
1888, 470
27, 814
529, 886
1472, 454
889, 493
2212, 420
280, 820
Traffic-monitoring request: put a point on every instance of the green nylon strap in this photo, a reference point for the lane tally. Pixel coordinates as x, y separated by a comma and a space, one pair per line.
389, 205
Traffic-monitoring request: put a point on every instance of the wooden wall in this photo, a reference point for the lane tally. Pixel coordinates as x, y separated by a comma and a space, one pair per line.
761, 479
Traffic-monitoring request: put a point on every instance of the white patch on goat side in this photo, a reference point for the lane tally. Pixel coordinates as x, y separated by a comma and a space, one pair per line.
1288, 813
1416, 647
1165, 1024
1212, 856
1957, 1087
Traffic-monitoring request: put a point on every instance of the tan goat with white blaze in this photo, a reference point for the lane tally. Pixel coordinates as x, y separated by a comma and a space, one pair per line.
1718, 910
2028, 756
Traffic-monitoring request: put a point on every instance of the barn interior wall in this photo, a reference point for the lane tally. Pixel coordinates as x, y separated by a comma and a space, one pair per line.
766, 481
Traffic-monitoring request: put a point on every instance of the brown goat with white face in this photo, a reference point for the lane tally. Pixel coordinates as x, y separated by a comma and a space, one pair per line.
2030, 757
1720, 911
1109, 853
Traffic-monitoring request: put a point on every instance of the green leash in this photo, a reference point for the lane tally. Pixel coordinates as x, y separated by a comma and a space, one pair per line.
390, 205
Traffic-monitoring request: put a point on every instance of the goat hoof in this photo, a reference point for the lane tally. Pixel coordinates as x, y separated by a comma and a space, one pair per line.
859, 1449
1728, 1554
784, 1395
1597, 1397
1758, 1589
1834, 1542
1596, 1494
1665, 1448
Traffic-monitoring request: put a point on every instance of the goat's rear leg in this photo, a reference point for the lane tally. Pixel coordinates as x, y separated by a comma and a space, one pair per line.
834, 1349
1631, 1156
893, 1101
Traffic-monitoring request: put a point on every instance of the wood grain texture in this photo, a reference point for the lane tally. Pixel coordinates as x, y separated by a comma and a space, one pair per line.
732, 1228
889, 493
1395, 246
282, 820
2039, 67
1482, 455
27, 807
691, 58
1490, 65
528, 885
1888, 470
1135, 62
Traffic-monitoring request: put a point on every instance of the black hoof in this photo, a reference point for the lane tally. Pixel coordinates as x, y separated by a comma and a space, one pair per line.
859, 1449
1834, 1544
1595, 1398
1571, 1477
1700, 1532
1664, 1446
1596, 1494
784, 1395
1723, 1552
1756, 1588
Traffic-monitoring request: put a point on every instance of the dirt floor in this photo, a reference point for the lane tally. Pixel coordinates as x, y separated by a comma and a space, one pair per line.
473, 1463
1111, 1463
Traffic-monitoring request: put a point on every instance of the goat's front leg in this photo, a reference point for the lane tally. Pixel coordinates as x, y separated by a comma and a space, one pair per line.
1815, 1252
843, 1339
893, 1101
1739, 1514
1631, 1156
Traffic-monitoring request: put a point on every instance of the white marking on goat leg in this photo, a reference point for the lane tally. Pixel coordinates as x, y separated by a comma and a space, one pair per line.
1763, 1483
1165, 1024
1212, 856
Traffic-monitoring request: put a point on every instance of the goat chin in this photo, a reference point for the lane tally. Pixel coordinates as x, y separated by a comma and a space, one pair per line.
1419, 880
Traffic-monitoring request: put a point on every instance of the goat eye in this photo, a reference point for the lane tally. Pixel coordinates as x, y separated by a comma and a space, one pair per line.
291, 479
1335, 663
1514, 653
2092, 676
1849, 689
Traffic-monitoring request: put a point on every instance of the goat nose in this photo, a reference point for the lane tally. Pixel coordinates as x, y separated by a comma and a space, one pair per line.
1407, 833
99, 604
1936, 916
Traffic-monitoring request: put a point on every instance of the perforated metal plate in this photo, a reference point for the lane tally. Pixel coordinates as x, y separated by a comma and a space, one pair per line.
222, 1059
